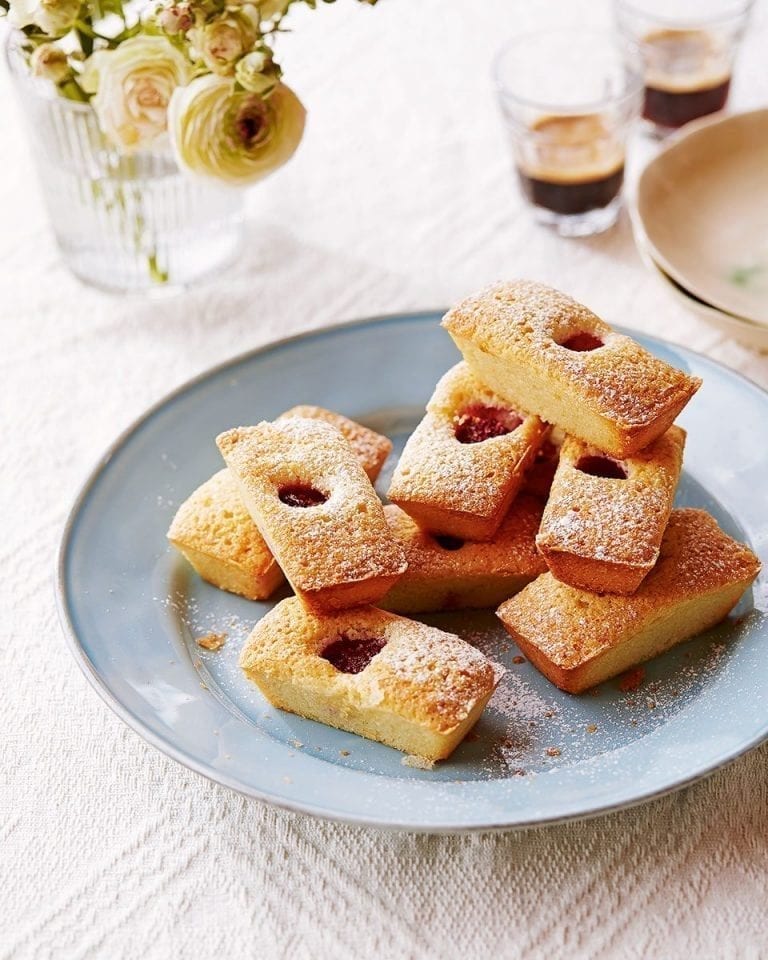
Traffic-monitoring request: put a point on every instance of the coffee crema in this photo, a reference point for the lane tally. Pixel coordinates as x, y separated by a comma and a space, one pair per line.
571, 164
687, 76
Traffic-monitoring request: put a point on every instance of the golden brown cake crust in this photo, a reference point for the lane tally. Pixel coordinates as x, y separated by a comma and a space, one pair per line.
462, 488
371, 448
213, 517
422, 676
603, 534
465, 574
337, 553
524, 323
512, 550
564, 629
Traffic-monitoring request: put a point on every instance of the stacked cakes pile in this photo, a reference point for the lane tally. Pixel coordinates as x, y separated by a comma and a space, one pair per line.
298, 496
628, 576
569, 528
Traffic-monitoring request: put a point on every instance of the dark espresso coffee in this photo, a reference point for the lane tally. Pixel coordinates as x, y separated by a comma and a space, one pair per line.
573, 164
673, 108
575, 197
687, 76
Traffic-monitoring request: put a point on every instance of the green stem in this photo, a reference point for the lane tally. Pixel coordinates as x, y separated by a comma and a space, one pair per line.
72, 90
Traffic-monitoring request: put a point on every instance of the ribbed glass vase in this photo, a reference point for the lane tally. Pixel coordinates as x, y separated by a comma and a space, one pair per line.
122, 223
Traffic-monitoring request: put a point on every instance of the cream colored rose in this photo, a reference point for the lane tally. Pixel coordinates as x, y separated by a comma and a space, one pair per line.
230, 135
222, 42
133, 86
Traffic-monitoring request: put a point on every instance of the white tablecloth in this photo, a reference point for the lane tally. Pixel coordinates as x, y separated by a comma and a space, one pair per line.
400, 198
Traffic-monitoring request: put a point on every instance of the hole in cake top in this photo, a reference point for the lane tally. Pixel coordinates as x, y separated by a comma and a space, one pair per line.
478, 422
602, 466
301, 495
448, 542
582, 342
352, 654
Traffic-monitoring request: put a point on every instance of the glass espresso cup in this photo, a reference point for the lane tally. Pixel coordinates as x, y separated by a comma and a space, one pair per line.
688, 48
568, 98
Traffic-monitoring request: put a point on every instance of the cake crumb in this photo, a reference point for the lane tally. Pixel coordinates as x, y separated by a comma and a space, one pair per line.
296, 743
518, 659
420, 763
553, 751
592, 728
343, 753
212, 641
651, 704
632, 679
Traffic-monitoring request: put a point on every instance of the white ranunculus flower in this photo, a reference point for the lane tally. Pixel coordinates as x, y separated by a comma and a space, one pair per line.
230, 135
133, 86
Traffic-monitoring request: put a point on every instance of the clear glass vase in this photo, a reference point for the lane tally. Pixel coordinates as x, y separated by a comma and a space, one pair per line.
122, 223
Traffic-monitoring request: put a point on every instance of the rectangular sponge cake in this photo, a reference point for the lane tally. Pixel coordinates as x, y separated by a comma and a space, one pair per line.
314, 505
579, 639
403, 683
216, 534
549, 355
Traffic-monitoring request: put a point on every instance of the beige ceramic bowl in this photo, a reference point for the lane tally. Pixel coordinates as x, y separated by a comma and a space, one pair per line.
752, 335
702, 208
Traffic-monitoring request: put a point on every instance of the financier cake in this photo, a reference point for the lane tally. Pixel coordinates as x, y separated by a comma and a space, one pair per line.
447, 573
314, 505
547, 354
371, 448
410, 686
579, 639
216, 534
466, 460
604, 520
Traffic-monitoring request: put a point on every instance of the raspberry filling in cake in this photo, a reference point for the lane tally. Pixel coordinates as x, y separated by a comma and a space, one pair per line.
478, 422
600, 466
300, 495
448, 542
352, 654
582, 342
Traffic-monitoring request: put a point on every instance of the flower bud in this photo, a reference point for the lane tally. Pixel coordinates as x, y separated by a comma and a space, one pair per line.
257, 72
56, 17
222, 42
50, 62
175, 19
232, 136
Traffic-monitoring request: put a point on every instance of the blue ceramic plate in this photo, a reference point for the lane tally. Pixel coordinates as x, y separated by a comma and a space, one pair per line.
132, 610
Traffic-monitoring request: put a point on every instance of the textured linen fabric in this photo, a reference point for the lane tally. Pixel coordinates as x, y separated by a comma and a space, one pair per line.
399, 198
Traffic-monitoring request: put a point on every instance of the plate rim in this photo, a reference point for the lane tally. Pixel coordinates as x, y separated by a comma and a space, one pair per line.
169, 749
688, 131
